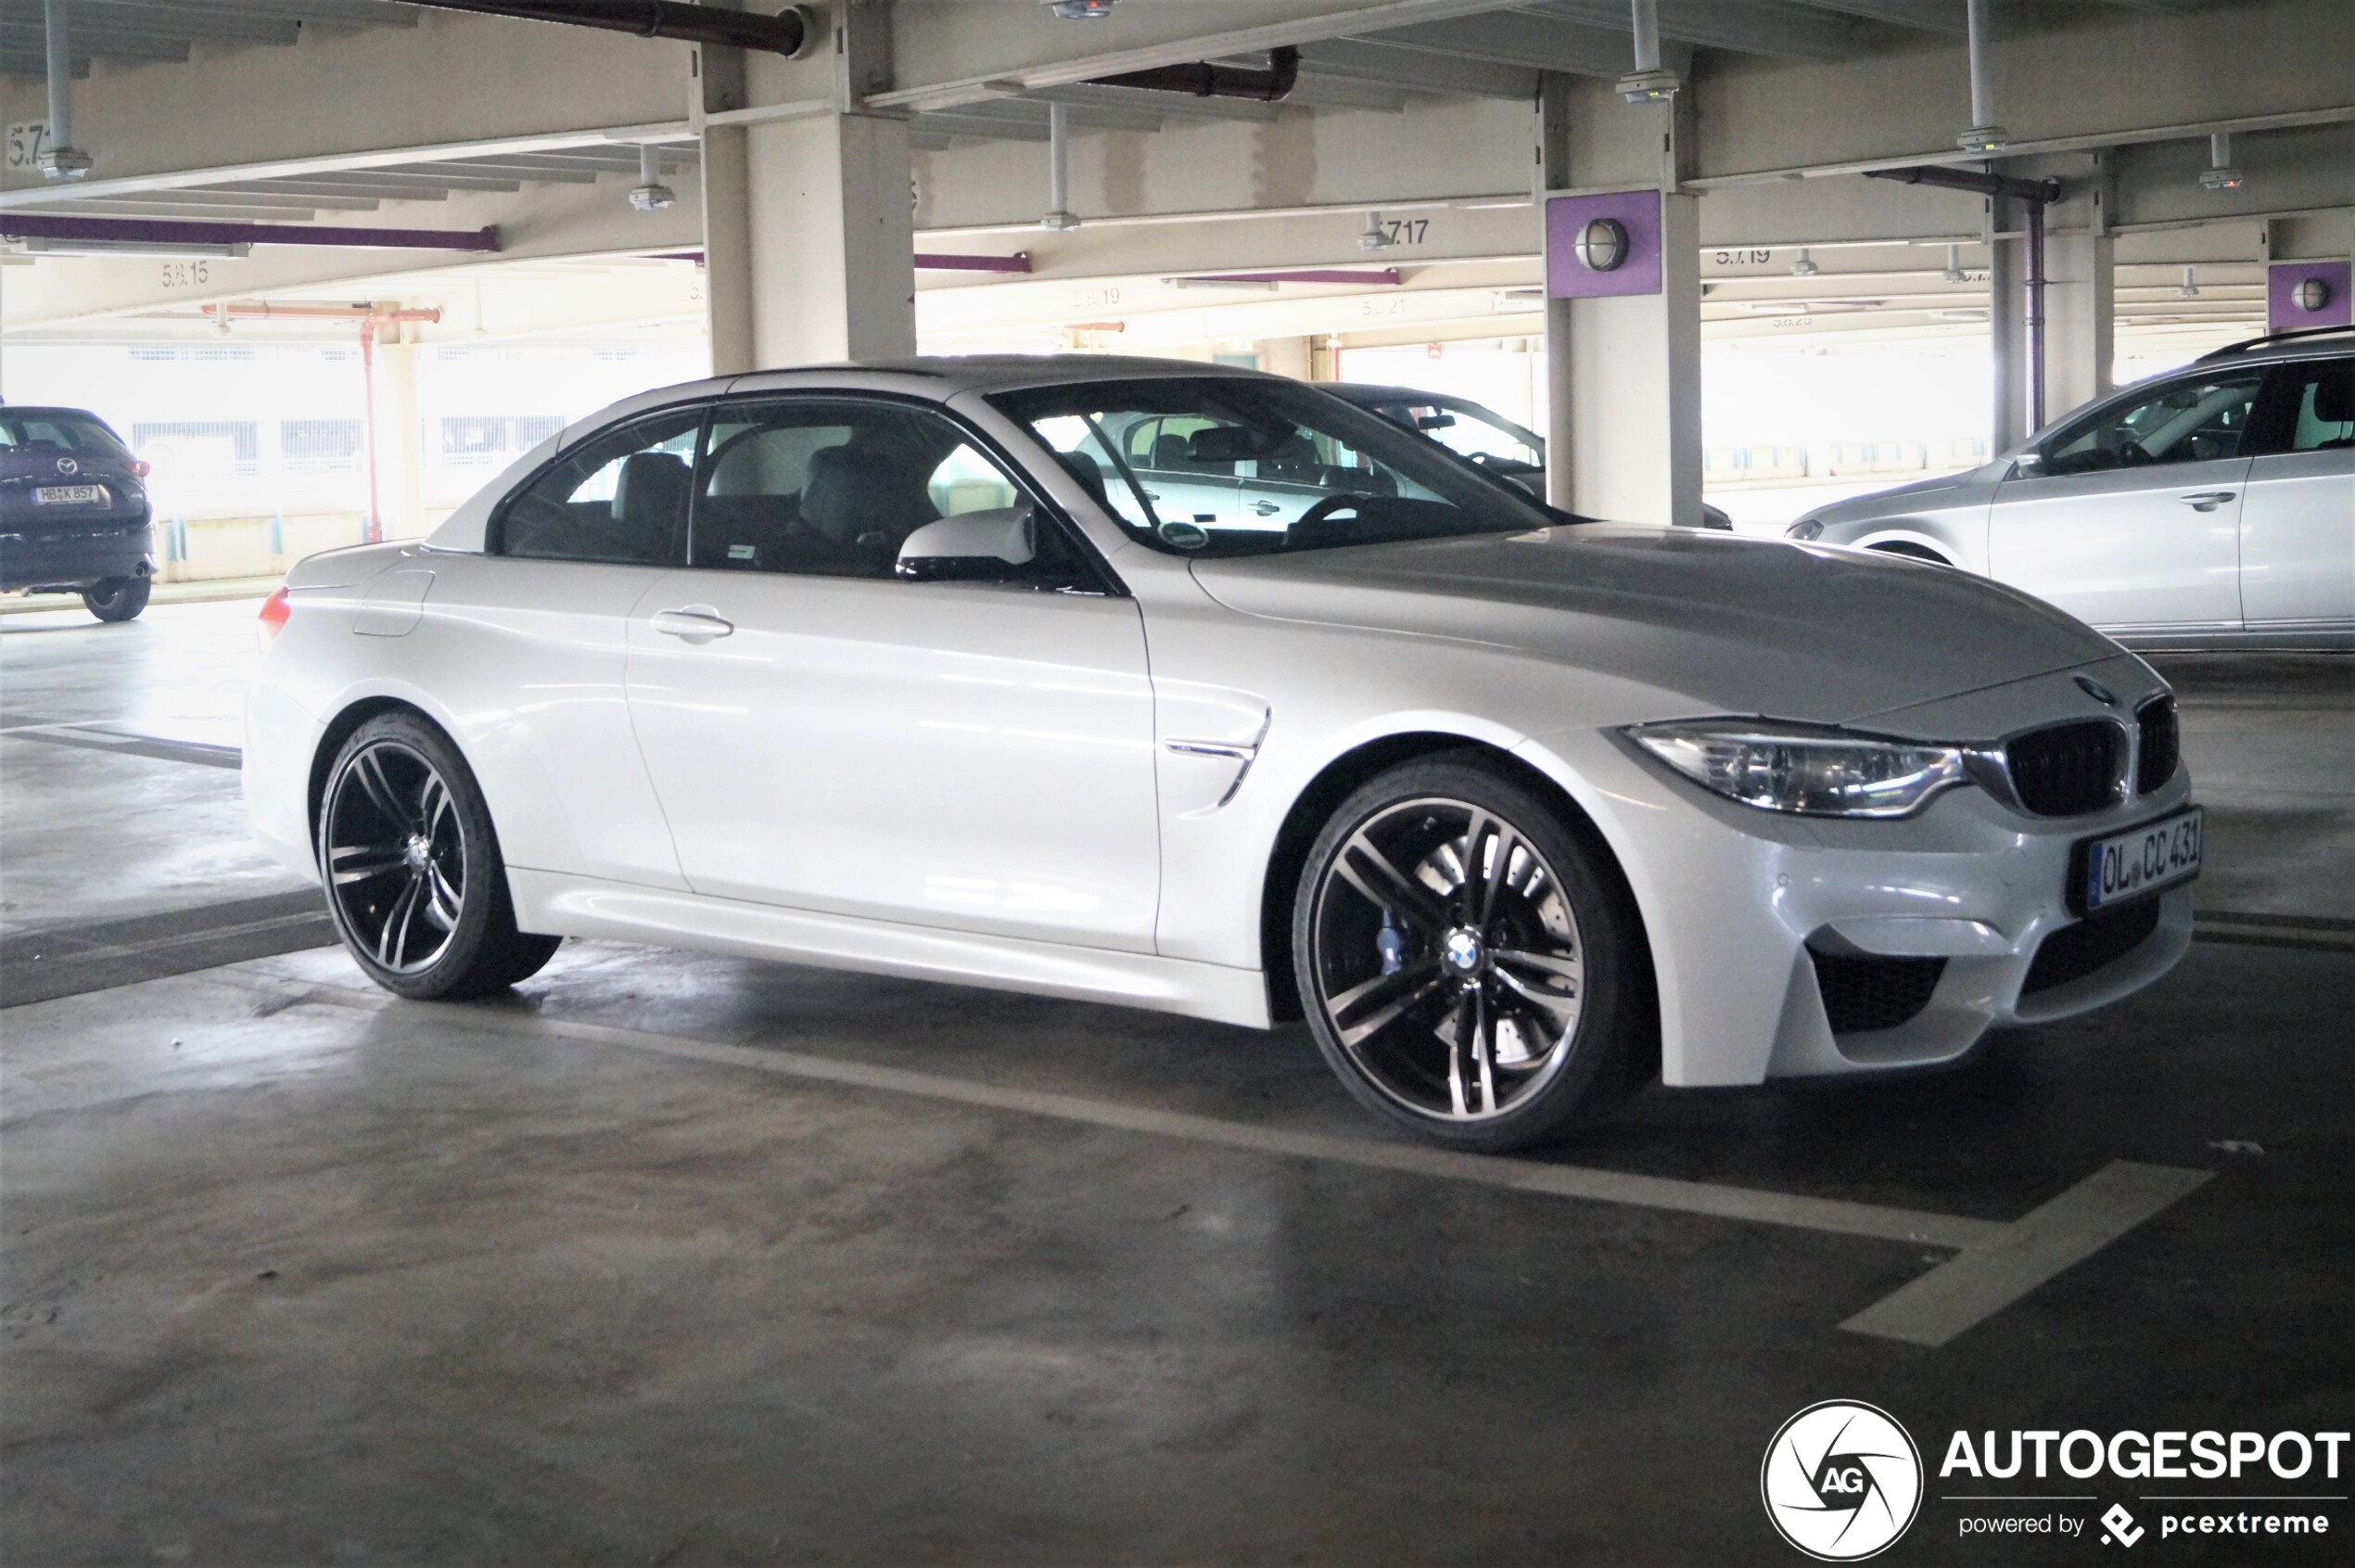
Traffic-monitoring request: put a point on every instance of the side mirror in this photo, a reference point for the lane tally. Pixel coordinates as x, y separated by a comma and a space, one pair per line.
2027, 465
993, 546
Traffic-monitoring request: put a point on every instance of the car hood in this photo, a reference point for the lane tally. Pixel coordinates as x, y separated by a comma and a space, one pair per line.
1898, 498
1732, 625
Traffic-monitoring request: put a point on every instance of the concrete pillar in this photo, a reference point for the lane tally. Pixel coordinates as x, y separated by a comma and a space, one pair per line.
2081, 296
1295, 357
1634, 371
808, 223
2006, 326
808, 243
401, 440
1553, 174
1623, 411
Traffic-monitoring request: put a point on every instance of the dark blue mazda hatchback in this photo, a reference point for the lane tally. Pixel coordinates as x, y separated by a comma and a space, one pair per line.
74, 511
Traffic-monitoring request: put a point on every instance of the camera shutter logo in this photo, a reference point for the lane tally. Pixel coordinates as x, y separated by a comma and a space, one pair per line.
1841, 1481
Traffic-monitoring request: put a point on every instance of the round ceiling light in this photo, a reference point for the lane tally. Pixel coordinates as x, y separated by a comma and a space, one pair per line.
1602, 245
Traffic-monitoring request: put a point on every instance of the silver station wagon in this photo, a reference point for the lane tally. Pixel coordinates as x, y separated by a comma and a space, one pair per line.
2212, 506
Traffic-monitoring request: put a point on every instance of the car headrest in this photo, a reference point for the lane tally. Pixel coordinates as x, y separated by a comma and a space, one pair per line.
2335, 397
651, 490
1089, 473
1172, 452
854, 493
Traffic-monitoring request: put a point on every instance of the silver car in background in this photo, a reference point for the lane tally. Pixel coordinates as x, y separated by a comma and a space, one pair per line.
2212, 506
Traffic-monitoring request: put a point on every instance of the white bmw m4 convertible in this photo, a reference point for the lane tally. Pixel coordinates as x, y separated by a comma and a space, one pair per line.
1200, 690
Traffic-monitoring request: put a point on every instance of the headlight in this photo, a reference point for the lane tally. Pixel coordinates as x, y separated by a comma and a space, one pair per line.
1810, 770
1806, 527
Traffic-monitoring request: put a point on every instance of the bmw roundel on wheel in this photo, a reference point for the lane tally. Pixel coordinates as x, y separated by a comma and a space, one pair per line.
1202, 690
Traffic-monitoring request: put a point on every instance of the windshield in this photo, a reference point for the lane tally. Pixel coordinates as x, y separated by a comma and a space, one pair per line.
1238, 465
1468, 430
56, 429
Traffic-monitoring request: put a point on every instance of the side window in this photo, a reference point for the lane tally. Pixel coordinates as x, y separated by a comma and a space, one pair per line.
620, 496
2313, 407
829, 487
2188, 421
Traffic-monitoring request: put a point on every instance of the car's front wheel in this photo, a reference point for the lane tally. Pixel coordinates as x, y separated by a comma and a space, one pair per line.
116, 598
1467, 962
411, 861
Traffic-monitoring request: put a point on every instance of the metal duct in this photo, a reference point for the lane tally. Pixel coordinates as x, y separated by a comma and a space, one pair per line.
1204, 80
791, 33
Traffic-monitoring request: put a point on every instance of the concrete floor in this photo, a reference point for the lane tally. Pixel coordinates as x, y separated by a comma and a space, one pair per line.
681, 1259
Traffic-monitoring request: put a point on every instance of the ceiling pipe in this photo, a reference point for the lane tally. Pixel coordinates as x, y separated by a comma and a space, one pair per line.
60, 159
1204, 80
1059, 217
2033, 195
792, 33
1648, 83
1985, 134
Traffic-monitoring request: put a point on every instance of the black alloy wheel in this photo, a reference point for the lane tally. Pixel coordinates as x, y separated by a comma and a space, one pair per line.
411, 867
1467, 968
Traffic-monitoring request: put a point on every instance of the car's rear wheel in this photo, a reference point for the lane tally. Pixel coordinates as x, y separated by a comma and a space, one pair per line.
1467, 962
116, 598
411, 861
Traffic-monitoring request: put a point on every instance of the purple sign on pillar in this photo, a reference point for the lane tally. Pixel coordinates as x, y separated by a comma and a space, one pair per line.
1638, 214
2285, 312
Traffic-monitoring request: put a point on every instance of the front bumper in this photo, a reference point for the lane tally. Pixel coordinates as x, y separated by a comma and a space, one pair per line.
75, 555
1744, 908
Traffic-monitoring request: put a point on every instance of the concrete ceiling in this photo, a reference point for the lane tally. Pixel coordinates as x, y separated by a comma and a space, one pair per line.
137, 31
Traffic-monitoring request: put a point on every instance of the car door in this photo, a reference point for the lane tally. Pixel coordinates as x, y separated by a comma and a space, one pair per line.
1181, 488
529, 643
828, 736
2298, 524
2129, 517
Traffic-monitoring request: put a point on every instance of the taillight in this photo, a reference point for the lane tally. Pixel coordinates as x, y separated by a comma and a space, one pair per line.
140, 468
275, 610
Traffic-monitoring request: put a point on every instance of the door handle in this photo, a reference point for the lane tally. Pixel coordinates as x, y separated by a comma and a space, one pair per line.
1265, 508
2206, 500
697, 624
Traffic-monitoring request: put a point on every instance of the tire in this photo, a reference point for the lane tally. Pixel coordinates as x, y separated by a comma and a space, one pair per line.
1492, 1033
117, 598
412, 869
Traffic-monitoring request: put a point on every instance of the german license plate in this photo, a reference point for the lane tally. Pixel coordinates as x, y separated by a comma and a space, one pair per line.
69, 495
2139, 861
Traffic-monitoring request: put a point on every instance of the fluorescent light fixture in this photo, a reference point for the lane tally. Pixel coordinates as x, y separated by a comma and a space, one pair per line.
129, 247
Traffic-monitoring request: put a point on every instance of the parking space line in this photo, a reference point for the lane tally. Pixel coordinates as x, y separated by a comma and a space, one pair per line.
1835, 1216
91, 737
1995, 1262
1981, 1280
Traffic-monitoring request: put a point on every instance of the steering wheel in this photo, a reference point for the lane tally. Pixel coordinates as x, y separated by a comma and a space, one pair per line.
2131, 455
1348, 500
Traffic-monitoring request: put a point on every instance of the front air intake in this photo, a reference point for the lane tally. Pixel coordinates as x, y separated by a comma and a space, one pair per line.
2162, 743
2096, 942
2067, 769
1862, 993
